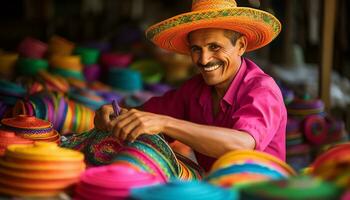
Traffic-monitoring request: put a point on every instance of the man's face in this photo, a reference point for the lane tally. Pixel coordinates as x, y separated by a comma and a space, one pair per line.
216, 57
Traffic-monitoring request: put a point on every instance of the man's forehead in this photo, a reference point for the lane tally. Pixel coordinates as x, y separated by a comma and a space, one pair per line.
206, 35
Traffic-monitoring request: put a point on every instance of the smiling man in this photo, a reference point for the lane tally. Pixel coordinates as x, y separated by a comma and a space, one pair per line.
232, 104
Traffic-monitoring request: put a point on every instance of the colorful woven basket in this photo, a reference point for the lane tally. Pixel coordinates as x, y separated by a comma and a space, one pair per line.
189, 170
39, 169
32, 48
30, 127
184, 190
112, 182
334, 165
315, 129
60, 46
304, 107
302, 188
92, 72
126, 80
242, 167
88, 56
156, 155
299, 156
151, 71
7, 64
7, 138
116, 60
87, 97
31, 66
54, 82
150, 153
11, 89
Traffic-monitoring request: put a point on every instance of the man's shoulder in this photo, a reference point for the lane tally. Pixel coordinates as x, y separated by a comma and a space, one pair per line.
256, 77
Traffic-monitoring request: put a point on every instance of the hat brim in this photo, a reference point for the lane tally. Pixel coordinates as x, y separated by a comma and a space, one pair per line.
258, 26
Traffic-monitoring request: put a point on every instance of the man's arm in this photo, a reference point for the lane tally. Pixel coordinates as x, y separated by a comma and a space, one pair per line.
208, 140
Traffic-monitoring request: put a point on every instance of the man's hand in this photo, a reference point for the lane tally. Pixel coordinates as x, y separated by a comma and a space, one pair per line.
105, 117
131, 124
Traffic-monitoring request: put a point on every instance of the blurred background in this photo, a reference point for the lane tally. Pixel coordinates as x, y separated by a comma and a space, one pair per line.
309, 59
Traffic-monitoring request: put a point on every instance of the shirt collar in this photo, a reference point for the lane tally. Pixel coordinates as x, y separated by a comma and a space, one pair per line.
230, 93
232, 90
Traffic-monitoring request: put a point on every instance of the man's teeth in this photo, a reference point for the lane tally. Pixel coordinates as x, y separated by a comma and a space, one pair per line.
212, 68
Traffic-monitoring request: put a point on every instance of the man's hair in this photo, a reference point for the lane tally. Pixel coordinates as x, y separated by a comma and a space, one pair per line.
230, 34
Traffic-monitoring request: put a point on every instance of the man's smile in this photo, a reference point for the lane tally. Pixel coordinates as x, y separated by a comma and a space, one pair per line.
211, 67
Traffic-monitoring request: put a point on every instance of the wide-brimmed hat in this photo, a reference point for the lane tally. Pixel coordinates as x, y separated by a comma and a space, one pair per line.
258, 26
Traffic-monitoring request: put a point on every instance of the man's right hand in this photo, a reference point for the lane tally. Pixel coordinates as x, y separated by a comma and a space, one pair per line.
105, 118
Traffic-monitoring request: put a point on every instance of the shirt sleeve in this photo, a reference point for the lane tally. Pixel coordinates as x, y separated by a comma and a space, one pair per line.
174, 102
259, 114
171, 104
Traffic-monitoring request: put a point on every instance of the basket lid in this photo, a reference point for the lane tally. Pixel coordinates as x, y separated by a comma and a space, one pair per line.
26, 122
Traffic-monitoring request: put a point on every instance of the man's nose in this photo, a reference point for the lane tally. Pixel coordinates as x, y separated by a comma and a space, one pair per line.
205, 57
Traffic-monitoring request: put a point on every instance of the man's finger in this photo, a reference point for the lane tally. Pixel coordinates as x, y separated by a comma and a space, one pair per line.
124, 130
135, 133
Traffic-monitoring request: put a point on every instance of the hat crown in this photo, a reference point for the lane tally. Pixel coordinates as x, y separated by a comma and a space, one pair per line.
198, 5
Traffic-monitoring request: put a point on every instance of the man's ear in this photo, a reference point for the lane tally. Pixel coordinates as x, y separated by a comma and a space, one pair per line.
242, 43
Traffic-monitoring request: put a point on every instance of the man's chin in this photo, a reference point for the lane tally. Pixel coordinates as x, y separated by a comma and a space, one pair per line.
210, 82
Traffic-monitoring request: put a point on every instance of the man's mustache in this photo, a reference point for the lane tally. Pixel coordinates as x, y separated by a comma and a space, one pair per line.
209, 64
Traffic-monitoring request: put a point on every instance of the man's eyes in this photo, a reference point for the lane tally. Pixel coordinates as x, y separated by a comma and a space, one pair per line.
195, 49
214, 47
211, 47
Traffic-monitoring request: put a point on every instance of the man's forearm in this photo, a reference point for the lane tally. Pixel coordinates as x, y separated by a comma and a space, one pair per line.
209, 140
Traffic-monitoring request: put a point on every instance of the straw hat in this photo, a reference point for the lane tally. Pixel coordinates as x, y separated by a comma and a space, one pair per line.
258, 26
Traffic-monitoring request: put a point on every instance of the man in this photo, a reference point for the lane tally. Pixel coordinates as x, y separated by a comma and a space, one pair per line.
231, 105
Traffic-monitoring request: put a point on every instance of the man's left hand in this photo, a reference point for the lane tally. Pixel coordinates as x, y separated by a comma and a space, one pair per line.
133, 123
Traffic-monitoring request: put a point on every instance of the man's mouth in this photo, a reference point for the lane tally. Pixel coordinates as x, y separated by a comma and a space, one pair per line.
211, 68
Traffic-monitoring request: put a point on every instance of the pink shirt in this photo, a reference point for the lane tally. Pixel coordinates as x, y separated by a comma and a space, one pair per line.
253, 103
